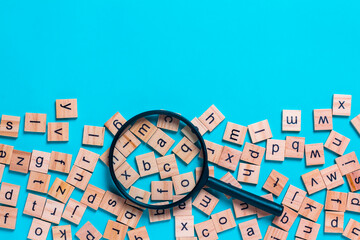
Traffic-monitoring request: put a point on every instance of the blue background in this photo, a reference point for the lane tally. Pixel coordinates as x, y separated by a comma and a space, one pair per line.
250, 58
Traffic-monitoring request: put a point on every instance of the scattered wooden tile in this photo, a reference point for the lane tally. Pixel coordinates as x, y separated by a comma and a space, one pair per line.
341, 105
314, 154
88, 232
223, 220
39, 229
112, 203
274, 233
332, 177
86, 159
230, 179
294, 147
161, 190
198, 125
129, 215
60, 162
127, 143
115, 123
260, 131
242, 209
313, 181
183, 183
275, 150
9, 215
138, 234
337, 142
252, 153
307, 229
184, 226
9, 194
275, 183
186, 150
161, 142
248, 173
39, 161
93, 135
353, 179
92, 196
115, 231
9, 126
213, 151
2, 167
211, 118
74, 211
334, 222
146, 164
126, 175
35, 122
250, 230
34, 205
118, 158
167, 166
168, 123
58, 132
352, 230
310, 209
66, 108
291, 120
6, 153
286, 220
78, 177
356, 123
336, 201
260, 213
205, 202
294, 197
159, 215
143, 129
38, 182
62, 232
347, 163
20, 161
235, 133
61, 190
323, 119
52, 211
229, 158
139, 195
206, 230
183, 209
353, 202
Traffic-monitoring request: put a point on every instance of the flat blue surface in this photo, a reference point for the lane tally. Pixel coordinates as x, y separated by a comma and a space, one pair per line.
250, 58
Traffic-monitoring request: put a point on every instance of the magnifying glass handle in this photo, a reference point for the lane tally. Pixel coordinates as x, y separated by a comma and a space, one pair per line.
245, 196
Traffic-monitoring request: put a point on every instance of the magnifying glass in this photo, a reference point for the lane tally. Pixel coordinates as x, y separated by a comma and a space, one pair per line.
161, 176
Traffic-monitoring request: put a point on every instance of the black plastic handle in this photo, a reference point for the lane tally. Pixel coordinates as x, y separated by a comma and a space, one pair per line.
245, 196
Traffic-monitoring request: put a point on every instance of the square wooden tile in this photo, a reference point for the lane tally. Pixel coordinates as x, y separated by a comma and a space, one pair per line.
243, 209
323, 119
352, 229
310, 209
184, 226
260, 213
118, 158
66, 108
115, 230
2, 168
213, 151
313, 181
167, 166
6, 153
223, 220
9, 126
146, 164
9, 194
274, 233
168, 122
138, 194
294, 197
252, 153
88, 231
39, 161
353, 180
211, 118
198, 125
38, 182
86, 159
58, 132
60, 162
336, 201
294, 147
230, 179
206, 230
334, 222
126, 175
307, 229
275, 183
53, 211
10, 214
127, 143
115, 123
183, 183
93, 135
248, 173
61, 190
275, 150
143, 129
337, 142
61, 232
250, 230
35, 122
291, 120
161, 142
161, 190
347, 163
205, 202
39, 229
129, 216
92, 196
138, 234
332, 177
78, 177
34, 205
20, 161
356, 123
235, 133
260, 131
229, 158
186, 150
112, 203
198, 172
183, 209
159, 215
341, 105
314, 154
286, 220
353, 202
74, 211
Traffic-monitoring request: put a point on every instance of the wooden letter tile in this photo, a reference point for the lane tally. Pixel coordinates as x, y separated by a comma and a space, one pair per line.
189, 134
146, 164
307, 229
286, 220
291, 120
62, 232
235, 133
275, 183
9, 194
93, 136
211, 118
159, 215
112, 203
2, 168
39, 229
250, 230
86, 159
184, 226
352, 230
38, 182
6, 153
294, 198
354, 180
260, 131
341, 105
274, 233
213, 151
206, 230
260, 213
313, 181
223, 220
20, 161
35, 122
336, 201
138, 234
323, 119
34, 205
230, 179
252, 153
294, 147
337, 143
183, 183
78, 177
353, 202
115, 231
168, 123
126, 175
74, 211
60, 162
248, 173
52, 211
356, 123
115, 123
332, 177
229, 158
61, 190
275, 150
138, 194
347, 163
334, 222
186, 150
143, 129
9, 126
92, 197
310, 209
243, 209
183, 209
161, 190
66, 108
205, 202
161, 142
58, 132
127, 143
314, 154
88, 232
167, 166
129, 216
8, 217
39, 161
